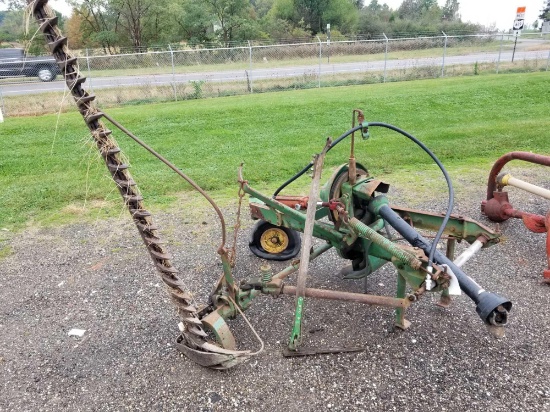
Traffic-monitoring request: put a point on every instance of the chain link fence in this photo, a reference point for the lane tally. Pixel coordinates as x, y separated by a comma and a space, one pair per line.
179, 73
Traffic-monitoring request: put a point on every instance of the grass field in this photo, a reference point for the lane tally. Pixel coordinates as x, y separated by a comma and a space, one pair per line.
50, 175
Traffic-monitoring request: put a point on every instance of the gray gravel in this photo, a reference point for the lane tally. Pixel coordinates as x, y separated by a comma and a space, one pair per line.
98, 277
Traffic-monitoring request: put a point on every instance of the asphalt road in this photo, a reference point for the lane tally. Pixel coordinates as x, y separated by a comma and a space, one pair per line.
9, 89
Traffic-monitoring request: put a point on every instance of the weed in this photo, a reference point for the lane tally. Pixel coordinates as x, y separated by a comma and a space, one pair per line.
197, 89
5, 251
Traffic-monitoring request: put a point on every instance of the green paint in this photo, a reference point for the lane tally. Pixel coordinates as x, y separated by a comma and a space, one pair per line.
296, 335
218, 324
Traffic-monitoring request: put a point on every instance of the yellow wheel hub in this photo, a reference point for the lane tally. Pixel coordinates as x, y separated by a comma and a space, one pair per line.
274, 240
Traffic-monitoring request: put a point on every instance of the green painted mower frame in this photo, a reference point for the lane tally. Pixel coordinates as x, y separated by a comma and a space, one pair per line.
409, 262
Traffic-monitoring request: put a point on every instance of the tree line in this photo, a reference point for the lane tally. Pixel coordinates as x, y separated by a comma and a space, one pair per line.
113, 24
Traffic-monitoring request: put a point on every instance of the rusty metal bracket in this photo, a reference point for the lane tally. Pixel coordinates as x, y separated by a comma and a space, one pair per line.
296, 336
498, 208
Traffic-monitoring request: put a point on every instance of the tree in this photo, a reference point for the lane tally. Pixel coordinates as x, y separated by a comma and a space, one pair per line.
313, 15
132, 14
545, 13
373, 24
14, 4
311, 12
11, 26
13, 29
427, 4
97, 23
74, 31
450, 10
136, 23
374, 7
409, 9
231, 15
283, 10
194, 23
415, 9
262, 7
342, 16
431, 16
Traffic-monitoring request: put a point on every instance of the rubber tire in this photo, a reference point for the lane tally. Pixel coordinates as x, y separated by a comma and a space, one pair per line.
42, 71
255, 245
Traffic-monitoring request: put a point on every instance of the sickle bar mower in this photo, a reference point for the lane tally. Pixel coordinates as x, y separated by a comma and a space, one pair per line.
350, 213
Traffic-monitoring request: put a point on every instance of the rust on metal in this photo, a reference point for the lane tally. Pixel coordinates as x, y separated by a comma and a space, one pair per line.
324, 351
374, 185
295, 202
310, 221
501, 162
193, 335
546, 273
352, 164
386, 301
217, 325
255, 212
444, 301
535, 223
498, 208
295, 264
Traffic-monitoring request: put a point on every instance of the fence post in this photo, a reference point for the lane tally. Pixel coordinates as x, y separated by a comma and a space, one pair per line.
250, 60
173, 74
444, 53
500, 50
328, 43
2, 109
320, 57
385, 56
89, 72
515, 44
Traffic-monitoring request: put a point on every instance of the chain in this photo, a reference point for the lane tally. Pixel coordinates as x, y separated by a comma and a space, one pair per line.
233, 251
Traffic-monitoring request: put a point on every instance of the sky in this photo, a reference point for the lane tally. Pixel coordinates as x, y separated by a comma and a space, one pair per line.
500, 13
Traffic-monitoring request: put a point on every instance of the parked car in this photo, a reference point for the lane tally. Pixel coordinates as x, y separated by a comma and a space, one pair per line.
15, 63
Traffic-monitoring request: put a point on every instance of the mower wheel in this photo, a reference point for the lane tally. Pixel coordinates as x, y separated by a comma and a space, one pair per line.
272, 242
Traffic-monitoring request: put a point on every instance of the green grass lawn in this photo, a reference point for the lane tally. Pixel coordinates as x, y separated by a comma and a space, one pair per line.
50, 177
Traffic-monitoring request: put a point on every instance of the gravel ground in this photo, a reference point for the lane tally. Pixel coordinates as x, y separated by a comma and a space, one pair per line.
98, 277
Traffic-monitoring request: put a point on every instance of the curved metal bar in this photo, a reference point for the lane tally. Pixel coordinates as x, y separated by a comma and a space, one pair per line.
305, 169
221, 249
501, 162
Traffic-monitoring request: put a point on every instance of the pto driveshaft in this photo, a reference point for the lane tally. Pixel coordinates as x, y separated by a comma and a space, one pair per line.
492, 309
